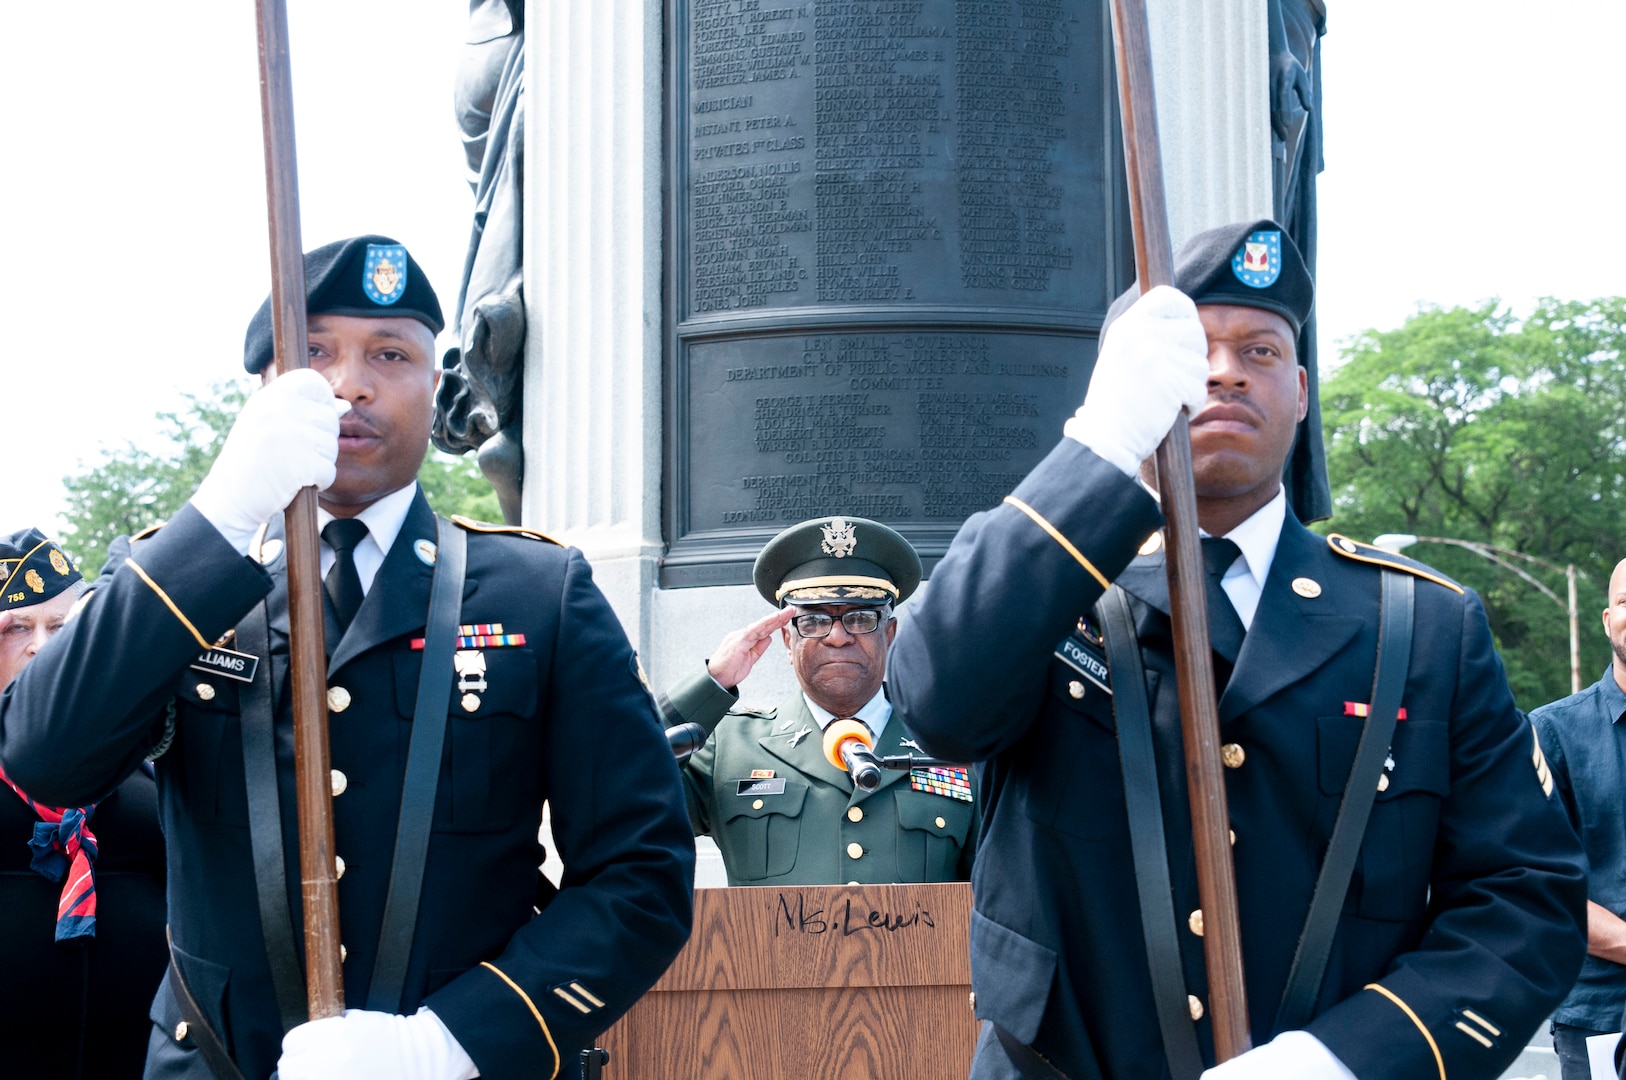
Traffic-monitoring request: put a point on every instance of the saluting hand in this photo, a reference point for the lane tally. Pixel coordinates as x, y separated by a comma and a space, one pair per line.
1153, 363
739, 652
286, 438
363, 1045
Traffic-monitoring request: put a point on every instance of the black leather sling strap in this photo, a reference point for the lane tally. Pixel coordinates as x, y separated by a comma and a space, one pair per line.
265, 823
1389, 683
197, 1025
418, 789
1133, 715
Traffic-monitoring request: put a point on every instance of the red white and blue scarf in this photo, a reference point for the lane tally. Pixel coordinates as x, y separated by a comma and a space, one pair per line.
65, 851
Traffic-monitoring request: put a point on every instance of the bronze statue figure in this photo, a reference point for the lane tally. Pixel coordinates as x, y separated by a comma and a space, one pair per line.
480, 402
1296, 28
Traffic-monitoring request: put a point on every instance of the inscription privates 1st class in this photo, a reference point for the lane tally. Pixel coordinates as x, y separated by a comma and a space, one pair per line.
798, 198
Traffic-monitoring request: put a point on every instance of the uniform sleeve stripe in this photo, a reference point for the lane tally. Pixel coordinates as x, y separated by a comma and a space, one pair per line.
1474, 1035
1439, 1062
1055, 534
1482, 1022
571, 1000
164, 596
583, 991
529, 1004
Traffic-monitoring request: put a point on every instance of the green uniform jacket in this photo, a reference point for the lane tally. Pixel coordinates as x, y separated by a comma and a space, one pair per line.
814, 828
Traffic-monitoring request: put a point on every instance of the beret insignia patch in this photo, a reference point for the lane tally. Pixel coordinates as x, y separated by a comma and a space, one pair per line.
384, 273
1258, 262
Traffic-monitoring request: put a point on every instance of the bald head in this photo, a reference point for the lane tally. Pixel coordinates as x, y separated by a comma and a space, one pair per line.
1614, 621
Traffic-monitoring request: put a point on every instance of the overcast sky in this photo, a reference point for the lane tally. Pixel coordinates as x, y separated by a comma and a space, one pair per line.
1473, 150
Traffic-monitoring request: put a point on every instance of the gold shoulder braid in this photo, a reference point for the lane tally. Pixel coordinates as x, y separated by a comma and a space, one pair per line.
487, 527
1366, 553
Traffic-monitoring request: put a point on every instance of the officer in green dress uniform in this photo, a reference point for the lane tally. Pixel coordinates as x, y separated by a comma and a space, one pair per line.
762, 786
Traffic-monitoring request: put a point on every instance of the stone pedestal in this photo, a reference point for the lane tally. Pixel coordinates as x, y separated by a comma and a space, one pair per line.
596, 163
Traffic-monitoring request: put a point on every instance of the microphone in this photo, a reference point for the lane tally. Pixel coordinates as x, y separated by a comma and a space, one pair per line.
685, 739
849, 745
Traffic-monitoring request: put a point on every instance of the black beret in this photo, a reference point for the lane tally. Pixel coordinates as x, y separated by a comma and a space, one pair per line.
1250, 264
373, 277
33, 569
837, 560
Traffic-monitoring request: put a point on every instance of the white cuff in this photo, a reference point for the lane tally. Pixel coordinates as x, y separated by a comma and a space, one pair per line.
1292, 1055
1078, 431
459, 1065
235, 535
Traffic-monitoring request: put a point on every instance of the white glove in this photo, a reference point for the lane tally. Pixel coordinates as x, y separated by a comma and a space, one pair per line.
286, 438
364, 1045
1153, 362
1292, 1055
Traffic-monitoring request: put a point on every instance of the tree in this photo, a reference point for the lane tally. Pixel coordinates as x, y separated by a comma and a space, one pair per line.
1476, 424
131, 488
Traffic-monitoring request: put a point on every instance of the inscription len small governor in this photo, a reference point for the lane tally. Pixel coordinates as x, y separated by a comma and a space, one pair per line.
895, 231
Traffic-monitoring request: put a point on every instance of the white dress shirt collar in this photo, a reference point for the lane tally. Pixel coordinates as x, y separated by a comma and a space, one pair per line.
383, 520
1256, 537
876, 712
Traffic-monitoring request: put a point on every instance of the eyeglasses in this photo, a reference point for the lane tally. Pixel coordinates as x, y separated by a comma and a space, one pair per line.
857, 621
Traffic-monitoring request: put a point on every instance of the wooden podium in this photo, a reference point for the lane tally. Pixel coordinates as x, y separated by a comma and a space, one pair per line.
818, 982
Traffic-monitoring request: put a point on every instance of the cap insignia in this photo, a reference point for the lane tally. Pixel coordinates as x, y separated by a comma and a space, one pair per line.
1258, 262
59, 562
840, 537
384, 274
34, 580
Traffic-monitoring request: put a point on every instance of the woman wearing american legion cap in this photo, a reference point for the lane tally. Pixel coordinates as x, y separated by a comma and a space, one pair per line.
81, 888
781, 811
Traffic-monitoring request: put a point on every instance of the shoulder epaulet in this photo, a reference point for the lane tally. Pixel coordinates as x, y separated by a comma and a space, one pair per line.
148, 531
487, 527
752, 711
1366, 553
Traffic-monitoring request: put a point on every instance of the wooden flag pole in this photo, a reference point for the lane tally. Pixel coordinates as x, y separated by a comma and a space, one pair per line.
324, 978
1193, 662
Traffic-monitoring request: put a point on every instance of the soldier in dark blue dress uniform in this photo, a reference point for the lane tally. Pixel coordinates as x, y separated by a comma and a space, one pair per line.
81, 887
1462, 926
503, 976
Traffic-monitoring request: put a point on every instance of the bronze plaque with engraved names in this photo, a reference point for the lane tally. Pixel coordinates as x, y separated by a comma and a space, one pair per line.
894, 227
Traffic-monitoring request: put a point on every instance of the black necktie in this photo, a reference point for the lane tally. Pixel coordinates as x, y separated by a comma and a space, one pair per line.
1224, 625
343, 584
